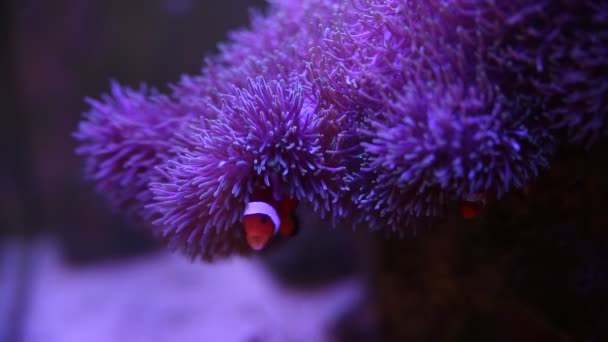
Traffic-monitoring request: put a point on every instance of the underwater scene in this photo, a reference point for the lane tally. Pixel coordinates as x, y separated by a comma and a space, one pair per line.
304, 170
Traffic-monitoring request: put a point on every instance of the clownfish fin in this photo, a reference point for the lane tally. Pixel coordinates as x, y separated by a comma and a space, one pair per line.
289, 226
288, 205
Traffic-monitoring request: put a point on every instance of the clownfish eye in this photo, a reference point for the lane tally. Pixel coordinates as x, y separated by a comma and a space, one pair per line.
263, 218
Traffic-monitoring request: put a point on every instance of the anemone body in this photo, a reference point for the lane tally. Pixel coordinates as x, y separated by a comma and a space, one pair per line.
124, 138
376, 112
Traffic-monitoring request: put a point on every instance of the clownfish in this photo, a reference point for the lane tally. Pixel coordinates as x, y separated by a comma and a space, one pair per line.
472, 205
470, 210
263, 220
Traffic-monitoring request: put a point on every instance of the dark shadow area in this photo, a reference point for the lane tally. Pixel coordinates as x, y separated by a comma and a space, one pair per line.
55, 55
534, 267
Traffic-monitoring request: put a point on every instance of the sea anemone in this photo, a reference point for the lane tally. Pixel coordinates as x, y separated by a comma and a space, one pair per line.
264, 136
123, 139
376, 112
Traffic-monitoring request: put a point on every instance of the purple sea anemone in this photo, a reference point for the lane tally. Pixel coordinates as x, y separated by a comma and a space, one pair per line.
265, 136
124, 138
377, 112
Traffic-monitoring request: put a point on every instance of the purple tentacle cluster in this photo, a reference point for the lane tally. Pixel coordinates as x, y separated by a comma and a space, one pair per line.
266, 135
124, 138
380, 112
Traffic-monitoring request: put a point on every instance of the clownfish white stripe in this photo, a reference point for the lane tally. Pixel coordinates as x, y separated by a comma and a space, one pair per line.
266, 209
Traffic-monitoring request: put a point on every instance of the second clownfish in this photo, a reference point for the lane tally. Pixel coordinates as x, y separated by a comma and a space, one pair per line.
470, 210
472, 205
265, 219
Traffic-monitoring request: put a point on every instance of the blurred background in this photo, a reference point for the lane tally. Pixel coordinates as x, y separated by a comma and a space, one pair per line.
71, 268
533, 267
56, 54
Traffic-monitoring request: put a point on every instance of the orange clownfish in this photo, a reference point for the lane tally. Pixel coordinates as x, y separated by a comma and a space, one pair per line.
470, 210
472, 205
263, 220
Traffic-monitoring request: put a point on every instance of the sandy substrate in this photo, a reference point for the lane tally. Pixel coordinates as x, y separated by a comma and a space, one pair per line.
164, 297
